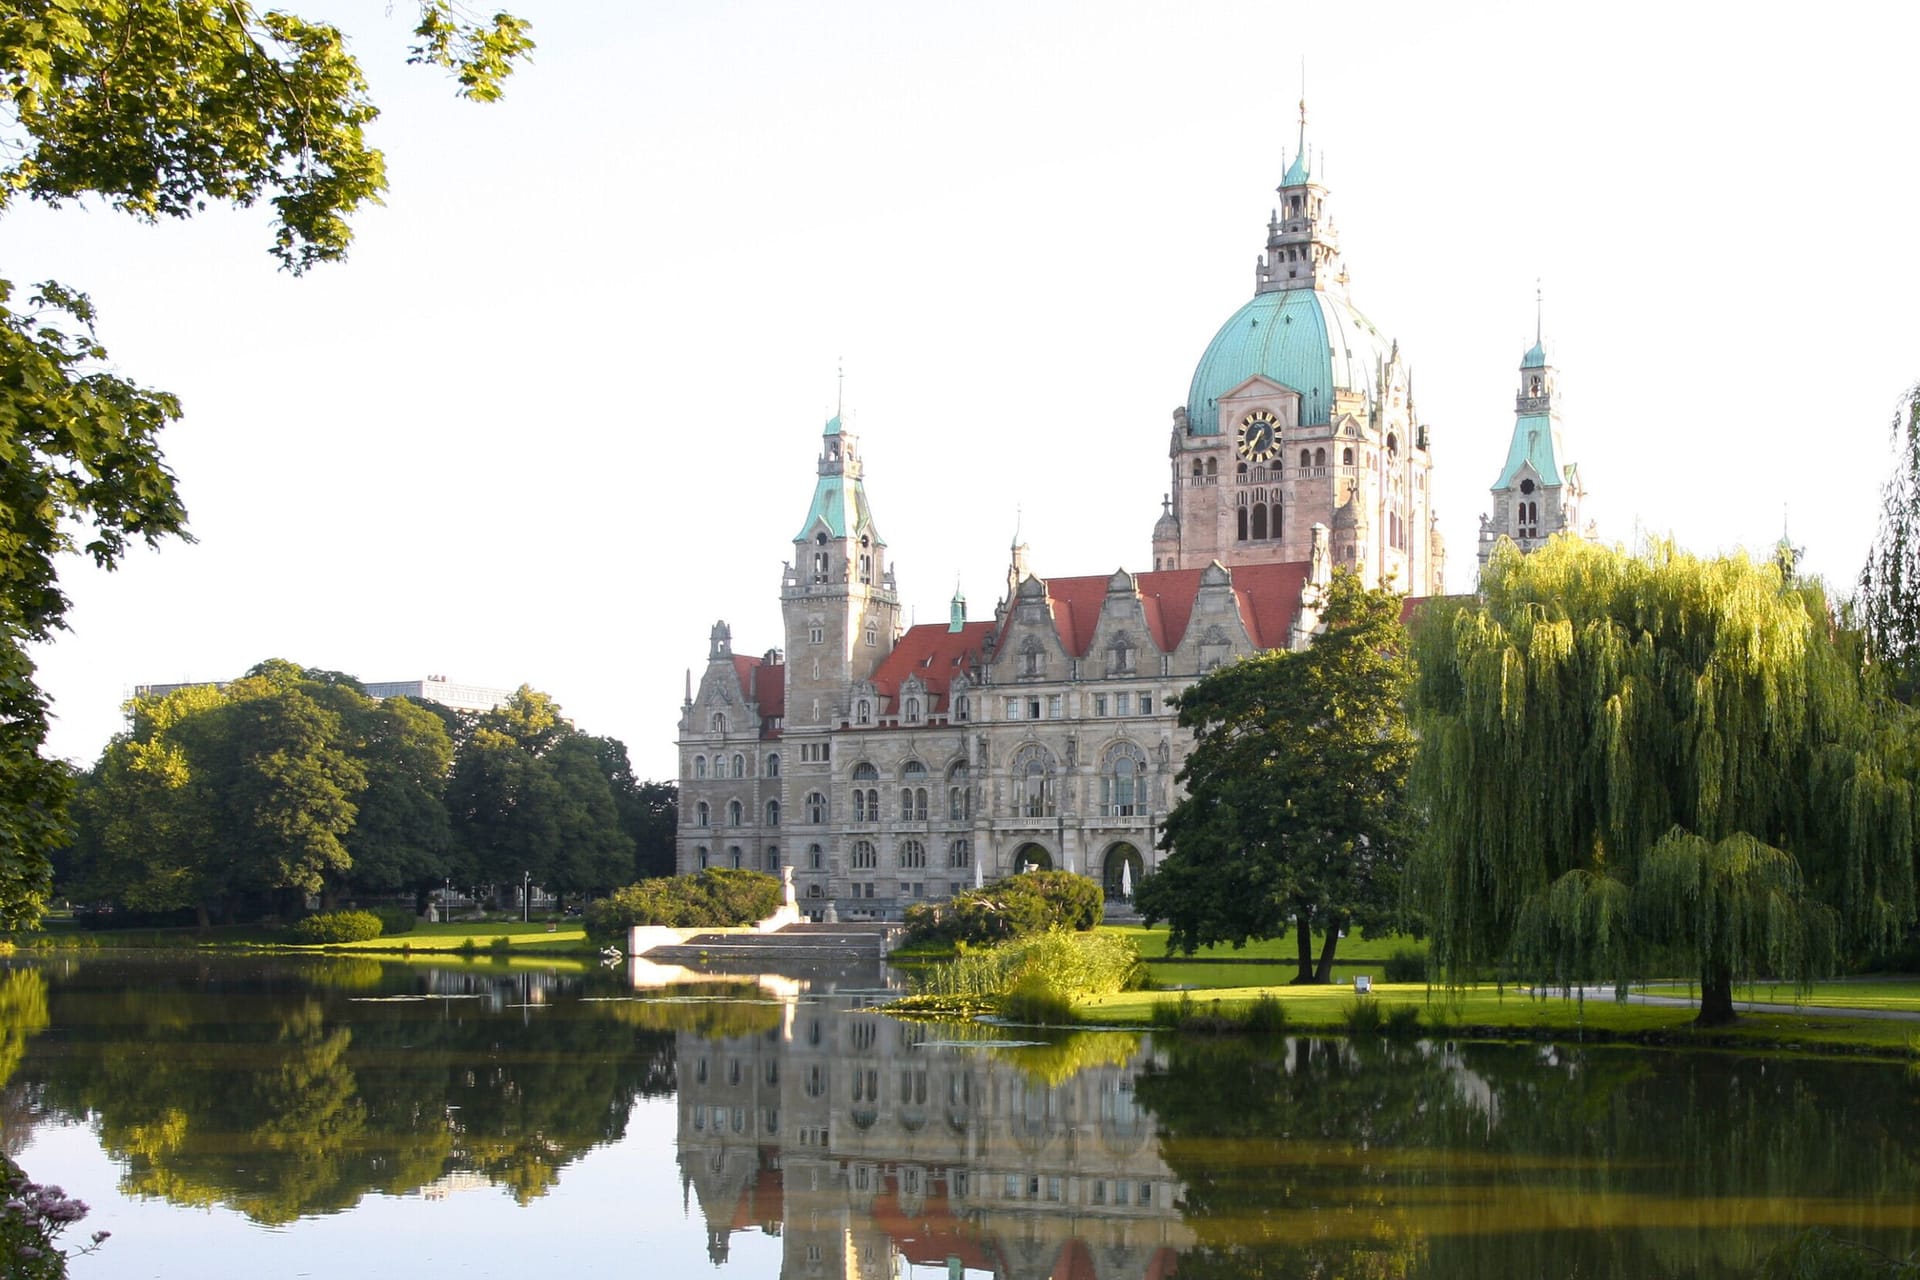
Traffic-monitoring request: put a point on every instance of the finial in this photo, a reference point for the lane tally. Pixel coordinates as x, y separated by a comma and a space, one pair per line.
1017, 517
1538, 295
1303, 106
840, 391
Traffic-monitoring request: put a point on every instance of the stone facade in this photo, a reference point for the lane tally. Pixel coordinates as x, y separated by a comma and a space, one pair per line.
887, 766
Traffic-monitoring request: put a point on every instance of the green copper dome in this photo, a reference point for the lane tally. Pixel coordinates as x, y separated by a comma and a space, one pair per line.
1311, 341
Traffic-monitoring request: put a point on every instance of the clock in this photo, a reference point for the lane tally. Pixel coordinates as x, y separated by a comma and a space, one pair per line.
1260, 436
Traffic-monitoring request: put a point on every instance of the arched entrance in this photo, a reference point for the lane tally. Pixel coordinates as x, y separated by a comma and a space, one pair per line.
1032, 857
1120, 872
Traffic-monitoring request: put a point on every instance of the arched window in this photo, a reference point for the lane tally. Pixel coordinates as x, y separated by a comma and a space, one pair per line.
699, 766
959, 854
1198, 469
913, 855
816, 808
962, 708
1259, 521
773, 858
739, 766
912, 711
816, 859
1306, 458
733, 856
1033, 781
1241, 531
773, 813
959, 793
735, 811
701, 815
701, 852
773, 766
1213, 467
1273, 526
1346, 457
1122, 781
719, 722
863, 712
865, 857
1319, 457
866, 771
719, 766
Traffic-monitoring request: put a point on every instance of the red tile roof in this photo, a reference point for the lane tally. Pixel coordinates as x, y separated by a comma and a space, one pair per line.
1269, 596
934, 653
765, 683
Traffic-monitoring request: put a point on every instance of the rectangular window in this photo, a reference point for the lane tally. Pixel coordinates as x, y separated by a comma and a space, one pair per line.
1119, 1193
1146, 704
1099, 704
953, 888
1033, 708
1011, 1189
1099, 1191
960, 1184
1053, 1188
816, 635
1053, 706
1146, 1193
1013, 708
1033, 1187
1123, 704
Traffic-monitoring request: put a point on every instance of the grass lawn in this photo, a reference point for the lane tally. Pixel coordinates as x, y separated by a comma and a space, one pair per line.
1353, 947
1485, 1010
1901, 994
537, 936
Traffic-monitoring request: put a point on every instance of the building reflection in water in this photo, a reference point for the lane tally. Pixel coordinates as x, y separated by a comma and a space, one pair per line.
860, 1140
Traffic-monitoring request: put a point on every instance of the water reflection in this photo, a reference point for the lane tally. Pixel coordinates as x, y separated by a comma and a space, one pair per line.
284, 1090
289, 1089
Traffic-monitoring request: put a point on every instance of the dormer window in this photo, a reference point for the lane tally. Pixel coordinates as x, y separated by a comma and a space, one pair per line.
863, 712
911, 712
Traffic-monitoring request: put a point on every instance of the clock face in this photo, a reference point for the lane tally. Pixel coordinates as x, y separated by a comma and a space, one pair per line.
1260, 436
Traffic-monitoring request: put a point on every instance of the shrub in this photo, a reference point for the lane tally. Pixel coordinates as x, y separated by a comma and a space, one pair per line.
1403, 1022
395, 920
338, 926
1016, 907
1405, 965
1363, 1017
1266, 1016
1038, 975
500, 946
716, 898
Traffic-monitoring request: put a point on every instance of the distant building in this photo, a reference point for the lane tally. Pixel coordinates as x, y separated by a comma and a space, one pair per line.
1539, 492
890, 764
456, 697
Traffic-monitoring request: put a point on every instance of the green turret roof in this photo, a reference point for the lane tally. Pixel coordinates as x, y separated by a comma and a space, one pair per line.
841, 505
1535, 443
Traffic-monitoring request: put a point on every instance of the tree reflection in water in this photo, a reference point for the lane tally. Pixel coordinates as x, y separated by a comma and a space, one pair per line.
1380, 1160
276, 1092
285, 1089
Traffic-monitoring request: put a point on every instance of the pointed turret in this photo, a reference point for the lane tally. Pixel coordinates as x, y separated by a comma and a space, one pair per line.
1303, 249
1537, 494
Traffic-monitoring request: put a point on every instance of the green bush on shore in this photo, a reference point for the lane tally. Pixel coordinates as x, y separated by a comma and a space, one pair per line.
338, 926
1034, 979
1016, 907
716, 898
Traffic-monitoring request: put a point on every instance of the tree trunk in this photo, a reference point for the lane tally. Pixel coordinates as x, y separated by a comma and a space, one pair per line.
1303, 932
1716, 1000
1325, 972
201, 917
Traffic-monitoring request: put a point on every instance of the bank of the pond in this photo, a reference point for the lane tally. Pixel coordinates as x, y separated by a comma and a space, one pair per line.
482, 937
1486, 1012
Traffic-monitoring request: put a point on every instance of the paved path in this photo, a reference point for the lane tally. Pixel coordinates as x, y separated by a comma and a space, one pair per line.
1757, 1006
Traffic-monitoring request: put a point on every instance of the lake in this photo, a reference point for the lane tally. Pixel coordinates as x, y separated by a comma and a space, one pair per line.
326, 1117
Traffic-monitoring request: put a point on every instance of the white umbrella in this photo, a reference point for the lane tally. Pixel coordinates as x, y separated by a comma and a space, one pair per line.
1126, 881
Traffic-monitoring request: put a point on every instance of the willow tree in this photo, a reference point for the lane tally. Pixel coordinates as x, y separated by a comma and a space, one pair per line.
1630, 762
1889, 597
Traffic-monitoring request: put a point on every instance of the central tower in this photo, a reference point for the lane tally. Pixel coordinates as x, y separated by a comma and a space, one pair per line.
1301, 414
837, 597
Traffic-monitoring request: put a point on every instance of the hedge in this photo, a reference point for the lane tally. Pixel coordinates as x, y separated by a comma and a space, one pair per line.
1016, 907
716, 898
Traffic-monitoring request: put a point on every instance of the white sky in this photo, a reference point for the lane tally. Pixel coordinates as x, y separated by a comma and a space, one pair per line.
559, 410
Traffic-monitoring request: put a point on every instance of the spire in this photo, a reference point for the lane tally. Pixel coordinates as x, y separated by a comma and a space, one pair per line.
957, 609
1536, 357
1300, 171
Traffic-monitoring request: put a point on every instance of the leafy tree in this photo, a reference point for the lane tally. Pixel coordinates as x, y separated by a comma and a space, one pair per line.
1889, 599
401, 837
529, 794
158, 107
1295, 807
649, 811
1634, 760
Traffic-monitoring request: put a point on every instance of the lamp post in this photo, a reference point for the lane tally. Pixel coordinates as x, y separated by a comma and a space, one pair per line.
526, 896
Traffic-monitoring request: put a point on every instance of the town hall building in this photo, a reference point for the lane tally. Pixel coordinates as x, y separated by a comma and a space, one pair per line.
888, 765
